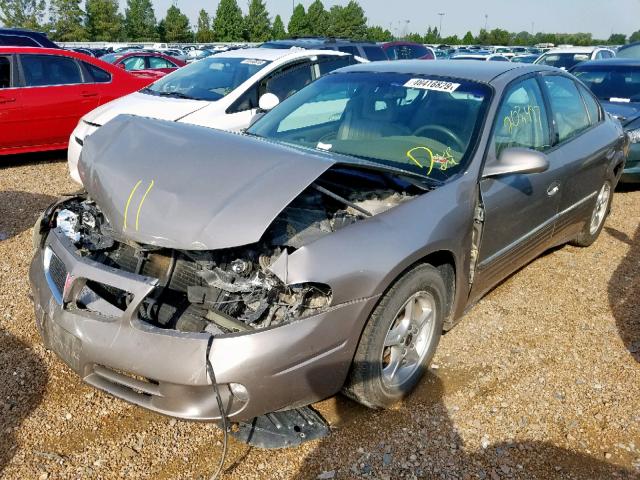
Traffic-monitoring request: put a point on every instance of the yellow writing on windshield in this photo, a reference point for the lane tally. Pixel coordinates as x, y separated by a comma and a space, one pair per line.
442, 160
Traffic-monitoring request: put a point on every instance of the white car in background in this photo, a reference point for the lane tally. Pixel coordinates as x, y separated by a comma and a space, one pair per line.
567, 58
221, 91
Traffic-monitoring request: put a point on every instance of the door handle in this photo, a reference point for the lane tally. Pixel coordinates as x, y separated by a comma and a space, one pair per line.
553, 189
89, 94
7, 99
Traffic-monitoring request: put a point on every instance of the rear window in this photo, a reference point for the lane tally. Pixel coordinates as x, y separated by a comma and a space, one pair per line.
374, 53
98, 75
407, 52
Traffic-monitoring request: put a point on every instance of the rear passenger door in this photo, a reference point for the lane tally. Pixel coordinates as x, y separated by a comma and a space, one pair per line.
577, 149
54, 97
519, 209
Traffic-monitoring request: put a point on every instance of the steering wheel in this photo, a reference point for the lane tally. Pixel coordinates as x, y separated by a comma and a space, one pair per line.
439, 128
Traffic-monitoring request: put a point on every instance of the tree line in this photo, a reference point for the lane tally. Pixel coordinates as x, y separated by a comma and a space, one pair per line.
101, 20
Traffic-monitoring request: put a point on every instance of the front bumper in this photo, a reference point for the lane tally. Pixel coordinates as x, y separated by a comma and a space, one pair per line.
164, 370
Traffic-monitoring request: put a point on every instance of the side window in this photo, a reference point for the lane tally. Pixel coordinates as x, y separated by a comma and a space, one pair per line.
374, 53
329, 64
592, 105
349, 49
159, 62
42, 70
5, 72
287, 80
133, 63
569, 113
247, 101
522, 119
98, 75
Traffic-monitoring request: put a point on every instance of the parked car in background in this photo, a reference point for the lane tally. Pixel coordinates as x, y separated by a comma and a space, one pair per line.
20, 37
504, 51
401, 50
44, 92
526, 58
85, 51
325, 250
367, 50
616, 83
144, 63
567, 58
485, 57
222, 91
198, 54
629, 51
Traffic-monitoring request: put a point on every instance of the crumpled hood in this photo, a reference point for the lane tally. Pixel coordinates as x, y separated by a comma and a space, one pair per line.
143, 105
191, 188
625, 112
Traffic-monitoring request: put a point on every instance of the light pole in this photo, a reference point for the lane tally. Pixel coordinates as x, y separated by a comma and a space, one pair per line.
486, 21
440, 29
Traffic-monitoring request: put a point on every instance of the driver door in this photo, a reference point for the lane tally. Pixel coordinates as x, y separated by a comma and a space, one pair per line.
519, 209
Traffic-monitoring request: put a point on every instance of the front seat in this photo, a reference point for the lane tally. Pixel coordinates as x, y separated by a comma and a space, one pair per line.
361, 120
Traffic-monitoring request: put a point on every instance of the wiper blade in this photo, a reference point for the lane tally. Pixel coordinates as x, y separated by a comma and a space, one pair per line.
175, 95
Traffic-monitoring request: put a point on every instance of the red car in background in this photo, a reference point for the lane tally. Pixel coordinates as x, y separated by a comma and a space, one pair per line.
408, 51
144, 63
44, 92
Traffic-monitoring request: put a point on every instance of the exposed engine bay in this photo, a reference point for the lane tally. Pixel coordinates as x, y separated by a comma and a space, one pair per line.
230, 290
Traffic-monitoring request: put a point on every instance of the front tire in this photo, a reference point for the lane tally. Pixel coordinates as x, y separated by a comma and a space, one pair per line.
399, 340
593, 226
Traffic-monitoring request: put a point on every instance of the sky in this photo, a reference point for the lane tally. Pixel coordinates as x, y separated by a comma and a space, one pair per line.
599, 17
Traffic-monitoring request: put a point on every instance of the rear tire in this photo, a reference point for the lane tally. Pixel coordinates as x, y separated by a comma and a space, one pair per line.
399, 340
594, 224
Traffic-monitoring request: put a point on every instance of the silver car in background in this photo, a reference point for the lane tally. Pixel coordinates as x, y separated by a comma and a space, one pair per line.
327, 248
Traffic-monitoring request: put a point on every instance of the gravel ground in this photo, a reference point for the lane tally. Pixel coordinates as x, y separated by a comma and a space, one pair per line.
539, 380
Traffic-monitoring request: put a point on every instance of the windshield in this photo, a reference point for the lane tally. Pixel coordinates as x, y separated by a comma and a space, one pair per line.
426, 125
616, 84
208, 79
563, 60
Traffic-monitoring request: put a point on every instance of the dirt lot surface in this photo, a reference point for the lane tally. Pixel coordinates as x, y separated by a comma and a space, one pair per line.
539, 380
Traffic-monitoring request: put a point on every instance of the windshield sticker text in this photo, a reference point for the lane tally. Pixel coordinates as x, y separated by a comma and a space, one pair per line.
253, 61
520, 116
436, 85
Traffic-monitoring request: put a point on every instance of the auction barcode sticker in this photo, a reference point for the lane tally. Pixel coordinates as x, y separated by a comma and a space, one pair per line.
437, 85
253, 61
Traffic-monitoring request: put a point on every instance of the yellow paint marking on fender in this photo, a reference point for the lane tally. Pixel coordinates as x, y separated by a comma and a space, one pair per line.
142, 201
126, 208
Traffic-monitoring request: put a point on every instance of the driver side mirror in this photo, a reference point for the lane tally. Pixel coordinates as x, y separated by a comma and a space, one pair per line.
268, 101
122, 66
517, 160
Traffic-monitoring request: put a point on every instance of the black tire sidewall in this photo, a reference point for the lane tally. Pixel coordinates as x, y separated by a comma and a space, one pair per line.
421, 278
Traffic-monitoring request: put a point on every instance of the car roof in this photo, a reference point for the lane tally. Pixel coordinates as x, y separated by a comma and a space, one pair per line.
309, 42
474, 71
273, 54
575, 50
622, 62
